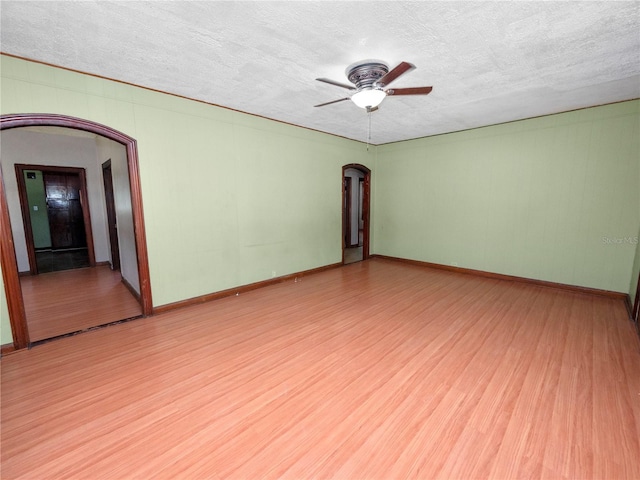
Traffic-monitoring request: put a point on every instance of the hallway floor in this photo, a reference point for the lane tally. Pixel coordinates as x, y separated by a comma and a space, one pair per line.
65, 302
56, 260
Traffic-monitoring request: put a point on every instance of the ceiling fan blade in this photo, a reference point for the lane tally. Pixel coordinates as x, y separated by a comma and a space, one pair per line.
401, 69
337, 84
334, 101
410, 91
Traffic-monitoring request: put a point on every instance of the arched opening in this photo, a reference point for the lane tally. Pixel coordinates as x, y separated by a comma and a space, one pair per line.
13, 291
356, 184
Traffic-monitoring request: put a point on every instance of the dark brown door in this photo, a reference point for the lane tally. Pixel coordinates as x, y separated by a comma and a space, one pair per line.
64, 209
366, 205
347, 212
360, 208
107, 177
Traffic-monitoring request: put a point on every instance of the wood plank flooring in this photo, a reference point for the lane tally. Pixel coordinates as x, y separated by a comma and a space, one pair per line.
68, 301
376, 370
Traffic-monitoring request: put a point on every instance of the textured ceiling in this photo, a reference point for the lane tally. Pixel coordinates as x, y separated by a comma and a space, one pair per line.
489, 62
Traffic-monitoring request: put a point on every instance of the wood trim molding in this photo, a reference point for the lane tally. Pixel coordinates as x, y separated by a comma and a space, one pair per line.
241, 289
7, 349
7, 253
346, 213
138, 227
191, 99
510, 278
12, 288
627, 303
82, 72
366, 209
131, 289
26, 220
635, 312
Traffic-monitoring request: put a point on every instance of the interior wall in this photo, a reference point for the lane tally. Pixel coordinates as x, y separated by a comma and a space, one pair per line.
546, 198
229, 198
5, 325
37, 198
117, 153
20, 145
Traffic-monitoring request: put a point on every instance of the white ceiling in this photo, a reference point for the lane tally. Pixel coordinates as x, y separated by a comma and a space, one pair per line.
488, 62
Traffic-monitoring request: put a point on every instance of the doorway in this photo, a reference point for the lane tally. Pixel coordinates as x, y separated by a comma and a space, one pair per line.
57, 222
356, 181
13, 289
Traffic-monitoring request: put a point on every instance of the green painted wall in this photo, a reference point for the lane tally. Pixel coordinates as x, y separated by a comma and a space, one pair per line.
546, 198
229, 198
39, 218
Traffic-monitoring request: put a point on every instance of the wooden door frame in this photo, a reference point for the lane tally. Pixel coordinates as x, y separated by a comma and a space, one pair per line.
13, 291
360, 204
635, 312
346, 216
111, 216
26, 210
366, 207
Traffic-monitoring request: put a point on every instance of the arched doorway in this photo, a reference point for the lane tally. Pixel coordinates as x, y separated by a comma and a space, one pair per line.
10, 274
356, 185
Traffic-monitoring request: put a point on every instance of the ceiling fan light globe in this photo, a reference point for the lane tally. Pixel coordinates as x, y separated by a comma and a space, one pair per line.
370, 97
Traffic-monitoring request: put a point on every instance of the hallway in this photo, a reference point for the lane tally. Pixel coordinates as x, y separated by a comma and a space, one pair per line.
69, 301
55, 260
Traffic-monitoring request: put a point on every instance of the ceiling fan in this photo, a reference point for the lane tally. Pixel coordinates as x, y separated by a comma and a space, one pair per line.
369, 78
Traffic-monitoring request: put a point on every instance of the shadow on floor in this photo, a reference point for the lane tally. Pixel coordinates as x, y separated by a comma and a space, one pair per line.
352, 255
56, 260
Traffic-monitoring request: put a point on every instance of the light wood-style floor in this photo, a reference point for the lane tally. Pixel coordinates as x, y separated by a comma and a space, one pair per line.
68, 301
374, 370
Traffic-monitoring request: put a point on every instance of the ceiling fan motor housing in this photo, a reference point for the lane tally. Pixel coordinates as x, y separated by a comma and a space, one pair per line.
370, 77
365, 75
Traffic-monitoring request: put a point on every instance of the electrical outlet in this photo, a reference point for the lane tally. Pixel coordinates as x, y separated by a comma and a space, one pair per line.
273, 273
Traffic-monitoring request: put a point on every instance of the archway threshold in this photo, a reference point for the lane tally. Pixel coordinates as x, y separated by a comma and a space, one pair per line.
13, 291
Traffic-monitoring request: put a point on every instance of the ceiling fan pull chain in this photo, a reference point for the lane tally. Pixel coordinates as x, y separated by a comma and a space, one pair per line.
369, 131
